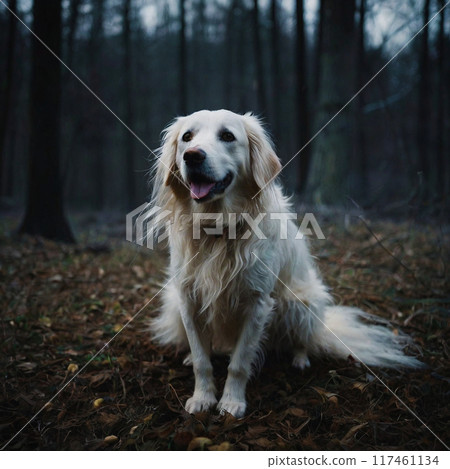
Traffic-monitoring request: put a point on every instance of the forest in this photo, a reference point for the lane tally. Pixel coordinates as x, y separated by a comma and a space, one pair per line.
295, 64
355, 95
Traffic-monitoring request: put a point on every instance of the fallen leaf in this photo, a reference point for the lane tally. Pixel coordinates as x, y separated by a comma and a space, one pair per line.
359, 385
139, 271
133, 429
349, 435
182, 440
200, 444
107, 419
56, 278
256, 430
100, 377
225, 446
72, 368
123, 361
325, 394
148, 418
97, 334
296, 412
263, 442
27, 366
47, 406
45, 321
98, 403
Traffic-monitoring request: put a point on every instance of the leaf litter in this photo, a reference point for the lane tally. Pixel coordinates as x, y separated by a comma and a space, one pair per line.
61, 304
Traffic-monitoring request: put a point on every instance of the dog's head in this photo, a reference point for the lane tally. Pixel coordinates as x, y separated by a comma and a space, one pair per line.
209, 155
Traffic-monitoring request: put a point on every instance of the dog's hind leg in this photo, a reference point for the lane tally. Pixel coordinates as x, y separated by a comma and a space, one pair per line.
300, 321
187, 361
167, 328
300, 360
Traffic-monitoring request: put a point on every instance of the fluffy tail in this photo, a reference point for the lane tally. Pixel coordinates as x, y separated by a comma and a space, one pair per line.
348, 332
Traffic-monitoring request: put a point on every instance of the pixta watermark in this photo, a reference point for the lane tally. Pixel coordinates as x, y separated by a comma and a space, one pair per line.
151, 225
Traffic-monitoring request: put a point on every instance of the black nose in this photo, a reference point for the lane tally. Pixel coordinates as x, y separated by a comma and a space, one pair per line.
194, 157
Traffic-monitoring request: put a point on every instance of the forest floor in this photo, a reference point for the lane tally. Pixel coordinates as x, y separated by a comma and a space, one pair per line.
61, 303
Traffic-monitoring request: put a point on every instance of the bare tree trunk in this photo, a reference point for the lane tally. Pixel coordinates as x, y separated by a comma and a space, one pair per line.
96, 129
74, 13
423, 117
302, 97
229, 49
277, 87
44, 214
242, 58
199, 61
328, 178
182, 88
7, 91
72, 132
259, 75
441, 168
129, 114
318, 47
359, 182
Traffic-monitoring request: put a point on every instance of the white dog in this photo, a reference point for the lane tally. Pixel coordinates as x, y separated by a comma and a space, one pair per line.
237, 290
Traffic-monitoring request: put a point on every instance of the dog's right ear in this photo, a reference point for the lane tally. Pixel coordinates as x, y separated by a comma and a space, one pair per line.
167, 171
168, 151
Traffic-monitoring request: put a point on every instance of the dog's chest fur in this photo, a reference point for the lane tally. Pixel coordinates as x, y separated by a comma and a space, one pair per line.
221, 278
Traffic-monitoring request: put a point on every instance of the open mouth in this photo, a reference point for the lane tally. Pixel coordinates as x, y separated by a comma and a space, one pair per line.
203, 188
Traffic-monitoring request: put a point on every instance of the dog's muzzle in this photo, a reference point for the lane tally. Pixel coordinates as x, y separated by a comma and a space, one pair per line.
203, 185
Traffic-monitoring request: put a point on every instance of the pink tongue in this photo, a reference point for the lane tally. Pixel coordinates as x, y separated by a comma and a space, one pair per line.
199, 190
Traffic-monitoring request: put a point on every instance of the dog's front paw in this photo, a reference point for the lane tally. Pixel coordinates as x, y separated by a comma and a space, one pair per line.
200, 403
233, 406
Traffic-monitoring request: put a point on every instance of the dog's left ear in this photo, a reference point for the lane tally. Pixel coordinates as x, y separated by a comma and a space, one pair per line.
264, 162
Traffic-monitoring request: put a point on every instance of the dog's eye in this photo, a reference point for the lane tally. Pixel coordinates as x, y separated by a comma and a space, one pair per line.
187, 137
227, 136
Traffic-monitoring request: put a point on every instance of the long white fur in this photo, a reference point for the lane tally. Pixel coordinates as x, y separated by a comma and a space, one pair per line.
226, 297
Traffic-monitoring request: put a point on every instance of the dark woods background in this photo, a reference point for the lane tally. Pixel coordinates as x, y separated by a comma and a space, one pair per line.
295, 63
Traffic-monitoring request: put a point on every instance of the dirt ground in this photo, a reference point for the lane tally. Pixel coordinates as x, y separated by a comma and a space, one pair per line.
60, 304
